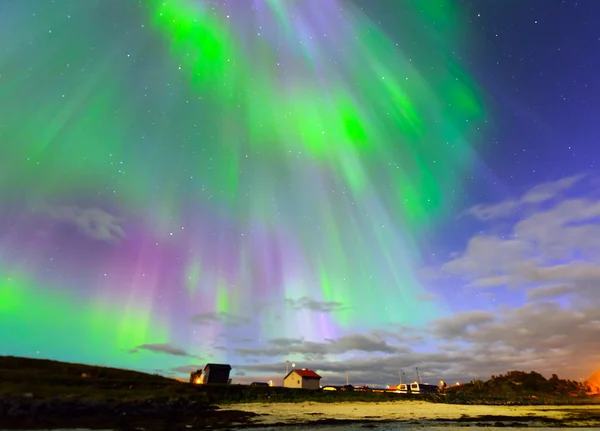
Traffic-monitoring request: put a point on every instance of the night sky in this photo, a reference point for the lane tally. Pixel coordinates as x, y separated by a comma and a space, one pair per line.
351, 185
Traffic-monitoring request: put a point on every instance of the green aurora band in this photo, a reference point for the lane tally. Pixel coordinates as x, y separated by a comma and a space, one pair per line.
249, 158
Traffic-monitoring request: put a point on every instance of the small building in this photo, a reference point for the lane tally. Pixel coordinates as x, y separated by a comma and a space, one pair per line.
303, 379
212, 373
216, 373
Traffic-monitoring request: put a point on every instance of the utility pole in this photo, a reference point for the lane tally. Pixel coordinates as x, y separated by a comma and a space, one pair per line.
347, 378
418, 375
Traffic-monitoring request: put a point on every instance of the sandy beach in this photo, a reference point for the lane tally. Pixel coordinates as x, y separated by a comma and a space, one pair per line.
420, 412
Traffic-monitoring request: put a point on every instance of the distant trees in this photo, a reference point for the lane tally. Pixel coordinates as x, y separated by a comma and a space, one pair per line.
478, 384
522, 384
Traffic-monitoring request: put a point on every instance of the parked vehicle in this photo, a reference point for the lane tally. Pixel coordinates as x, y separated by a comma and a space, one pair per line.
423, 388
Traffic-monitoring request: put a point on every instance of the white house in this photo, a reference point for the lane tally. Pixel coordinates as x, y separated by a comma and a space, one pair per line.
304, 379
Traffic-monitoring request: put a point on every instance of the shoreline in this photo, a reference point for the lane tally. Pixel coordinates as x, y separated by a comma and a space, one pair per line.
28, 414
418, 413
38, 394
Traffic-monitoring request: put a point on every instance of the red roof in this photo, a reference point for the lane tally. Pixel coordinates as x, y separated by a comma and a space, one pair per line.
306, 373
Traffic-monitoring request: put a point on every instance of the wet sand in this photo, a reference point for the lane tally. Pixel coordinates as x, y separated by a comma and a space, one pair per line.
418, 412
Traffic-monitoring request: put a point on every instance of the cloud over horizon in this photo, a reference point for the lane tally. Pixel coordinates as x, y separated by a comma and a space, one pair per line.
305, 303
549, 252
165, 348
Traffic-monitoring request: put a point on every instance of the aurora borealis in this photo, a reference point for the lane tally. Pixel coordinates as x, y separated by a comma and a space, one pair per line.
185, 181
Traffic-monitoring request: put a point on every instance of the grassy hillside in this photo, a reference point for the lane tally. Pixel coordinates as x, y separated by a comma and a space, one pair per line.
51, 379
41, 379
519, 385
45, 379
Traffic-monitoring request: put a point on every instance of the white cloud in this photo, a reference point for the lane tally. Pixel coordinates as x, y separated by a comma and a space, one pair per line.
92, 222
552, 254
572, 271
557, 245
306, 303
348, 343
542, 336
457, 326
489, 212
226, 319
489, 256
169, 349
568, 226
546, 191
545, 292
536, 195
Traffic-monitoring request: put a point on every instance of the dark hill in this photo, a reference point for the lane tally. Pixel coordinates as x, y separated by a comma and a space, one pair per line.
520, 384
44, 394
17, 369
52, 380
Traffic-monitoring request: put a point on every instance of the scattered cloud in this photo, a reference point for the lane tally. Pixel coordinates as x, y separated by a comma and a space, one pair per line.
168, 349
305, 303
460, 324
489, 212
187, 369
557, 245
546, 292
349, 343
92, 222
549, 255
552, 254
536, 195
549, 190
405, 335
543, 336
489, 256
223, 318
556, 336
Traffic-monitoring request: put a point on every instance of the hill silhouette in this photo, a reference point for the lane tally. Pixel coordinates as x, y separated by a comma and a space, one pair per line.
519, 384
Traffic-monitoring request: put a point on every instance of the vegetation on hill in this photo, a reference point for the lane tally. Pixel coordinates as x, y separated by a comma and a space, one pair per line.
45, 379
519, 386
53, 379
42, 379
